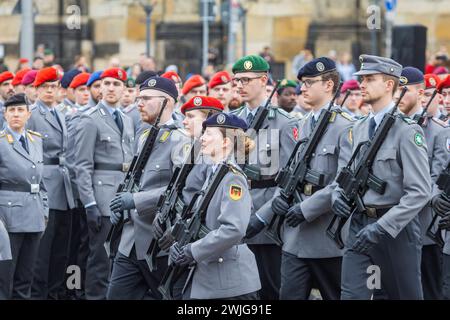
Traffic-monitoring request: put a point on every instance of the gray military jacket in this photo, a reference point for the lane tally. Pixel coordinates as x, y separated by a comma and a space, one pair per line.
22, 211
225, 266
402, 162
5, 246
101, 142
437, 137
55, 138
274, 145
168, 152
446, 233
309, 239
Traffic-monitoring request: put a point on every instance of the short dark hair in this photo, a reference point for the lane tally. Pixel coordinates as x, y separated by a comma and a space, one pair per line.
333, 76
387, 77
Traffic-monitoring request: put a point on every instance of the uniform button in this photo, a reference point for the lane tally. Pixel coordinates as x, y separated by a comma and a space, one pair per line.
123, 140
324, 150
157, 166
125, 152
33, 166
9, 203
34, 197
109, 138
267, 145
220, 260
64, 170
313, 154
99, 182
33, 177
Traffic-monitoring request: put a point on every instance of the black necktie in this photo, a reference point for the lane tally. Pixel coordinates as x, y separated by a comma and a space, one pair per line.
313, 122
249, 118
372, 125
118, 120
24, 143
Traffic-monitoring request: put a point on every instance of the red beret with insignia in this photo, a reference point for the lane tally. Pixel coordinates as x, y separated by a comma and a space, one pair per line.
19, 76
4, 76
193, 82
431, 81
29, 77
172, 75
350, 85
116, 73
49, 74
221, 77
201, 102
444, 84
80, 80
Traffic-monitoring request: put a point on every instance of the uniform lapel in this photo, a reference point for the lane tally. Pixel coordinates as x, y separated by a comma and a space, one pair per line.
19, 149
49, 116
109, 120
34, 152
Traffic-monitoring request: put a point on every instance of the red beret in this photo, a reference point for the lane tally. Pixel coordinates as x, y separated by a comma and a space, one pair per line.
116, 73
221, 77
201, 102
350, 85
29, 77
48, 74
172, 75
19, 76
193, 82
444, 84
440, 70
23, 60
431, 81
79, 80
6, 76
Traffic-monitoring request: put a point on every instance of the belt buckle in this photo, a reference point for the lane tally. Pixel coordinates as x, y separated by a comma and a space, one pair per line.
125, 167
62, 160
307, 189
34, 188
371, 212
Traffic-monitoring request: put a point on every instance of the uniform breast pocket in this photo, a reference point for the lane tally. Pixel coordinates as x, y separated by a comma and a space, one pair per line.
105, 185
227, 267
159, 173
386, 164
105, 141
11, 212
327, 158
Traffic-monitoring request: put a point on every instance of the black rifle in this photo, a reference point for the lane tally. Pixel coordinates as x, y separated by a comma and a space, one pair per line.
354, 184
191, 228
443, 183
131, 183
347, 94
171, 201
252, 171
422, 117
297, 173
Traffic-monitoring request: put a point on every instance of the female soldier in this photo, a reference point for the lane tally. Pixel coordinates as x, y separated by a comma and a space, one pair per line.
225, 267
23, 197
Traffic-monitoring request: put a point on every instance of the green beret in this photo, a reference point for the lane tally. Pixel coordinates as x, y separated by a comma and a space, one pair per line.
130, 83
287, 83
251, 63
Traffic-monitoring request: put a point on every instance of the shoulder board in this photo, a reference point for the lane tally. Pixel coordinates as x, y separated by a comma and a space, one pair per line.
33, 107
34, 133
346, 116
91, 111
407, 119
440, 122
165, 135
2, 133
145, 133
237, 110
282, 112
235, 169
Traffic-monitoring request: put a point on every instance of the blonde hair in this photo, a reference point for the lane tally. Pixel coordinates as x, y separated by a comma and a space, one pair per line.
239, 139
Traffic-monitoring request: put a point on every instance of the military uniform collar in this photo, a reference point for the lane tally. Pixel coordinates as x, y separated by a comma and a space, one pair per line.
44, 108
110, 108
380, 115
262, 104
16, 135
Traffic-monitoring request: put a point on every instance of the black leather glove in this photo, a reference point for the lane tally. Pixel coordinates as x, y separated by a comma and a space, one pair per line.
341, 208
295, 216
157, 228
254, 227
440, 204
121, 202
280, 206
444, 223
180, 256
369, 236
94, 218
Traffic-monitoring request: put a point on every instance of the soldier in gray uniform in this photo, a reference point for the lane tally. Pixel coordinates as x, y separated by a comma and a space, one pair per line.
276, 141
104, 150
309, 256
224, 267
436, 137
384, 243
94, 85
23, 197
5, 263
68, 102
131, 277
6, 91
53, 249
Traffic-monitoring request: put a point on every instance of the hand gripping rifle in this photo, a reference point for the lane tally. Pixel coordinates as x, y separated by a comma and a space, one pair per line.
131, 183
191, 228
354, 184
443, 183
297, 173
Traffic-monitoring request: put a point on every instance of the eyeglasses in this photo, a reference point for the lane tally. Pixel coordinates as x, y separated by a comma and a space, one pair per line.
243, 80
146, 99
308, 83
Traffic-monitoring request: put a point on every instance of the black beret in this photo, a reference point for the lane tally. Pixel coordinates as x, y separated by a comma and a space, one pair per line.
316, 67
144, 75
160, 84
68, 77
411, 75
16, 100
225, 120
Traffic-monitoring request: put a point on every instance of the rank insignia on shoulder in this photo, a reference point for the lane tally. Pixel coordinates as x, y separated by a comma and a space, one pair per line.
102, 112
9, 138
164, 136
418, 139
333, 117
347, 116
235, 192
350, 135
34, 133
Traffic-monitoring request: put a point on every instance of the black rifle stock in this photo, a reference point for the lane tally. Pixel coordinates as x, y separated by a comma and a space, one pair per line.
354, 184
191, 228
131, 184
423, 115
297, 173
347, 94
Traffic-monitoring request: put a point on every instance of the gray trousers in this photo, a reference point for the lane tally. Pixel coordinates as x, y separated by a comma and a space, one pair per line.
398, 261
300, 275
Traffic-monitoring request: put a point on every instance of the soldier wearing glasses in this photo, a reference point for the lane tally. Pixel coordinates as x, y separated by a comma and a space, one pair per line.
275, 144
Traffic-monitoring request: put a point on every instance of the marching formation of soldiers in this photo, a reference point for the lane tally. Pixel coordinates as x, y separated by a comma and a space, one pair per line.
225, 189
